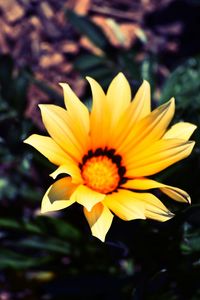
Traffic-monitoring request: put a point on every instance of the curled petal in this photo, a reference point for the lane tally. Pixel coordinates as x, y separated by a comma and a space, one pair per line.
146, 184
100, 219
70, 169
58, 195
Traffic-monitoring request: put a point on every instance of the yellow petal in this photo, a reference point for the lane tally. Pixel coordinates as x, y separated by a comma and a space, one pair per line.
55, 120
58, 195
100, 219
176, 194
71, 169
181, 130
87, 197
99, 117
154, 208
137, 110
158, 216
125, 205
146, 184
148, 130
141, 105
49, 148
118, 96
159, 156
75, 107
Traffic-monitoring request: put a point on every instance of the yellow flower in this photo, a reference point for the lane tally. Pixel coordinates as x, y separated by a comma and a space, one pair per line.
107, 154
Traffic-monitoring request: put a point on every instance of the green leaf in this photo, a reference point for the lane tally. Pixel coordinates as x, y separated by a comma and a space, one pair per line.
126, 62
65, 230
13, 260
88, 61
101, 73
19, 93
6, 69
100, 68
53, 245
89, 29
191, 243
148, 70
7, 189
9, 223
184, 85
32, 228
58, 227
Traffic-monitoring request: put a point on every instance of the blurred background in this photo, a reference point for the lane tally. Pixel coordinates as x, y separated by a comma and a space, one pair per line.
55, 256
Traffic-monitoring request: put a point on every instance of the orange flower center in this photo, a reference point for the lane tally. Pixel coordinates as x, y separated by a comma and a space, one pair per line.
101, 174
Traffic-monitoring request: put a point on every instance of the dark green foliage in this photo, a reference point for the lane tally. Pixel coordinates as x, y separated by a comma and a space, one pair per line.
55, 256
89, 29
184, 83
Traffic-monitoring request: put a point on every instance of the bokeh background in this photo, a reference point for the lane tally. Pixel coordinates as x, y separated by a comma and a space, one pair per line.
54, 256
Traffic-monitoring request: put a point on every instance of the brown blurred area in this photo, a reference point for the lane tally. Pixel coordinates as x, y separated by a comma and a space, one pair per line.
37, 33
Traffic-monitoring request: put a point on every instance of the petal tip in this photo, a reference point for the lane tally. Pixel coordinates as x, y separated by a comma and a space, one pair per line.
42, 106
63, 84
191, 145
172, 100
43, 211
53, 175
170, 214
121, 75
90, 80
101, 238
145, 82
169, 103
89, 207
188, 199
28, 140
146, 87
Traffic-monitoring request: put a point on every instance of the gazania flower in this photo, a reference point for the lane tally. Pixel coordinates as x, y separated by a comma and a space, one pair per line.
107, 155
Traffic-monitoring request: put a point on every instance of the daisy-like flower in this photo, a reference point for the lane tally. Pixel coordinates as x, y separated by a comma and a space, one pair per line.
106, 155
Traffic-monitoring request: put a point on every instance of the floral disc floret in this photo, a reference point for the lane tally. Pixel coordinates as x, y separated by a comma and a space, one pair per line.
102, 170
101, 174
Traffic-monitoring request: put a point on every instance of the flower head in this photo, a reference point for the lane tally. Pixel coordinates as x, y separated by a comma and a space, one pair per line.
108, 154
